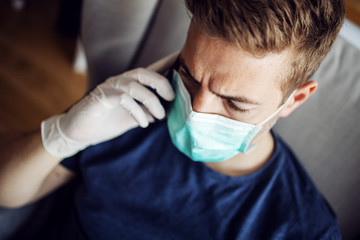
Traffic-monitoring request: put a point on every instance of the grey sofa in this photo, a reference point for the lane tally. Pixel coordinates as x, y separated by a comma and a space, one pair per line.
324, 133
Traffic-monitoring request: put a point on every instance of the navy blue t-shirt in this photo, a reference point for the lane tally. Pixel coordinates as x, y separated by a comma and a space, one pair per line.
139, 186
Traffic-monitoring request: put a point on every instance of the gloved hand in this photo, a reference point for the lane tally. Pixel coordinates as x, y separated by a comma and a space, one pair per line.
108, 111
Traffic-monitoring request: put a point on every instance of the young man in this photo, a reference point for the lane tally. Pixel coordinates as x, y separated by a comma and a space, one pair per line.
211, 169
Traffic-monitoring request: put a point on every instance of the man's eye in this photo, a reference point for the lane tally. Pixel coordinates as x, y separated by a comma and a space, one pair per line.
233, 106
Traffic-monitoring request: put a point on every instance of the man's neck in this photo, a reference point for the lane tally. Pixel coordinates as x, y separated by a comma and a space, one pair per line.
243, 164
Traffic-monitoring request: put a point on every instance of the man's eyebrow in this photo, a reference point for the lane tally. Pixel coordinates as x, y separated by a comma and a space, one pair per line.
240, 99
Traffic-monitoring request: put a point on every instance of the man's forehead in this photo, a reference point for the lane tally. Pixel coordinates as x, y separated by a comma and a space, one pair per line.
233, 76
227, 96
229, 64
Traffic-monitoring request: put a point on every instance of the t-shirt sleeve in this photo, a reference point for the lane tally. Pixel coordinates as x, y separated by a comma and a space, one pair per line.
72, 163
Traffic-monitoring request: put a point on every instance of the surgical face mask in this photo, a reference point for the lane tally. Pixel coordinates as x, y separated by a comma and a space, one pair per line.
207, 137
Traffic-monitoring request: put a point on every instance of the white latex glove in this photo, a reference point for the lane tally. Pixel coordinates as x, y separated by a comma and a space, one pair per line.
108, 111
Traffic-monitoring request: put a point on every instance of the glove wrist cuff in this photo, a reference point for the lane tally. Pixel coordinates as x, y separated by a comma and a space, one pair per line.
55, 142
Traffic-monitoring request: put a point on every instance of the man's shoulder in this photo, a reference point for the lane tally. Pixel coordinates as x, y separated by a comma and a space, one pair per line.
291, 174
299, 196
288, 162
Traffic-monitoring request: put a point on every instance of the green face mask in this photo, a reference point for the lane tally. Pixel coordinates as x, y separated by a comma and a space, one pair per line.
207, 137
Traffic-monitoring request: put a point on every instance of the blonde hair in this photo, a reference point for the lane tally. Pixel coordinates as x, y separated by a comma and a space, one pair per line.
307, 28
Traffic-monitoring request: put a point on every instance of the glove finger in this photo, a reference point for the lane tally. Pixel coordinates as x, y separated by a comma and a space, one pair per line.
147, 98
149, 117
133, 108
153, 80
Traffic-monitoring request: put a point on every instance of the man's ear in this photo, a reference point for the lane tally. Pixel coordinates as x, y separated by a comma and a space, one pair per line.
300, 96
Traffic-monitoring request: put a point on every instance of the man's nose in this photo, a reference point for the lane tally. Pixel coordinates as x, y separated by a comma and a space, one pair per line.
203, 101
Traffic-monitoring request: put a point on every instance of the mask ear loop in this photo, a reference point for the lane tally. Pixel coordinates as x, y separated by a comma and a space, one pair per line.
278, 110
269, 118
